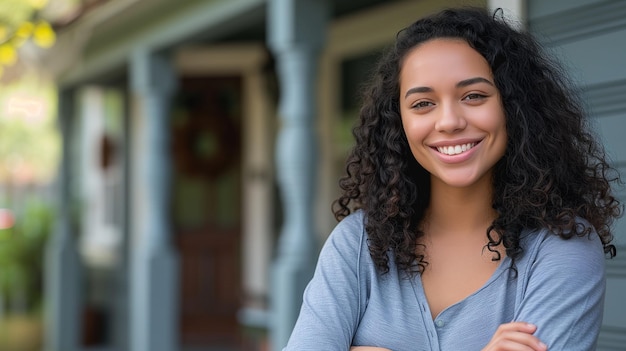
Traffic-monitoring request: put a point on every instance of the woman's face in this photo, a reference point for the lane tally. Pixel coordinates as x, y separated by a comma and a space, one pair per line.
452, 112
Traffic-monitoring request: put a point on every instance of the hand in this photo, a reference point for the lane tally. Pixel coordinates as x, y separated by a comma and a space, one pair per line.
368, 348
515, 336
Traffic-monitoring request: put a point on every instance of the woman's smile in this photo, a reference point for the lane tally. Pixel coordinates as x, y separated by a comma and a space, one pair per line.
456, 149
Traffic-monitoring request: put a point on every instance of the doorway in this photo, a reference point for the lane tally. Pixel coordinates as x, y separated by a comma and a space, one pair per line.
206, 143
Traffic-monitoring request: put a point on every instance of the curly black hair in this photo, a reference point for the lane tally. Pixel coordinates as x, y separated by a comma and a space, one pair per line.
553, 171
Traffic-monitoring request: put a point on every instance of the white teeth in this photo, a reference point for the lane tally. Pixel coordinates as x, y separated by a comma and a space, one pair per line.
456, 149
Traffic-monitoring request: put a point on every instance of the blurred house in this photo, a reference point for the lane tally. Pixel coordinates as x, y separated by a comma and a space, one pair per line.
178, 178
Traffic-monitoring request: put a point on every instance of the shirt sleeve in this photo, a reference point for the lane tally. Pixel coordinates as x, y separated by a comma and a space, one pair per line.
564, 294
330, 310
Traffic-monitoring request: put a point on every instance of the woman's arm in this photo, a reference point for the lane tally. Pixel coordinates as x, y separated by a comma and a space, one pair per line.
330, 310
515, 336
564, 295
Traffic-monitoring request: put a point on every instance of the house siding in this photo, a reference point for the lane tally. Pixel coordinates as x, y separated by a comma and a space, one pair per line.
588, 35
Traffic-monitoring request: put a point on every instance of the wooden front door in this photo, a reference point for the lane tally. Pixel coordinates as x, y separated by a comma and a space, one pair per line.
207, 212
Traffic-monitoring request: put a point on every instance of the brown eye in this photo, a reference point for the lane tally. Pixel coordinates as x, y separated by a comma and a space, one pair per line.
422, 104
474, 96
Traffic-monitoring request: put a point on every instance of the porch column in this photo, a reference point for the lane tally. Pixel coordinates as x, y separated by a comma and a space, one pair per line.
154, 274
515, 11
296, 30
62, 269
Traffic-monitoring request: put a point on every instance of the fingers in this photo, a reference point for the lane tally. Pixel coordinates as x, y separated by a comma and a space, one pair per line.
517, 326
515, 336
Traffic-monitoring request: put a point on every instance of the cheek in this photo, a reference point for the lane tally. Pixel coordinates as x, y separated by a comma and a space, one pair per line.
416, 135
414, 128
502, 136
413, 132
406, 128
493, 121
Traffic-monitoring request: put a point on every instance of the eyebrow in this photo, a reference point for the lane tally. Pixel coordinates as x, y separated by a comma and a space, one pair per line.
468, 82
462, 84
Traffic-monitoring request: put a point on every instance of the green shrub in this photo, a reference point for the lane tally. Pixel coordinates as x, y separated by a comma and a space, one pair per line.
21, 258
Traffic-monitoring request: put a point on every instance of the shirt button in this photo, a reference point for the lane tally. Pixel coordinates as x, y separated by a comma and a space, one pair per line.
439, 323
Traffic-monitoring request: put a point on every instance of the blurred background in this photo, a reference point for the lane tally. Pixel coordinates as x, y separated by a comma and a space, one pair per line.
167, 166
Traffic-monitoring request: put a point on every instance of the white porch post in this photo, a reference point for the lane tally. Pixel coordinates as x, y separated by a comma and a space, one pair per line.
63, 271
514, 10
297, 30
154, 275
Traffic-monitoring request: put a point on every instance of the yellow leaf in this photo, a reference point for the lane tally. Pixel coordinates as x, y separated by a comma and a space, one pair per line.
25, 30
8, 56
44, 35
38, 4
4, 33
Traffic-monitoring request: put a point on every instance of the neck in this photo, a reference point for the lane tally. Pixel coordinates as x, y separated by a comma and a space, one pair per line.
458, 211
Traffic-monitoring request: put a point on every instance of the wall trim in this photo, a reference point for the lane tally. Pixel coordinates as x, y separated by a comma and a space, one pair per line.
616, 266
220, 59
606, 98
515, 11
580, 22
611, 339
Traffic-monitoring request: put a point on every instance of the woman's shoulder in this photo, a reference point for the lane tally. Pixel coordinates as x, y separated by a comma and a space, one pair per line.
345, 249
544, 243
585, 235
355, 218
349, 232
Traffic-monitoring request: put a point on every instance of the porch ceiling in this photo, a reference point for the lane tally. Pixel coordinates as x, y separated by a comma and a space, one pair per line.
102, 41
339, 8
343, 7
98, 45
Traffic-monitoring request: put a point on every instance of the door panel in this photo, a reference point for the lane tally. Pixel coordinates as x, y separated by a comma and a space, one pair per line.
207, 215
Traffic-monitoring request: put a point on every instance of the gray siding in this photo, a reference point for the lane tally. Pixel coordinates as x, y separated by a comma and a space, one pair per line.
590, 37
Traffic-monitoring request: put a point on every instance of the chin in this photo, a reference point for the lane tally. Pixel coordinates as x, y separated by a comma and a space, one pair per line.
461, 181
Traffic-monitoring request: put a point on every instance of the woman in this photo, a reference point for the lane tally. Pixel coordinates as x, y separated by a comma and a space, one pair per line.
476, 209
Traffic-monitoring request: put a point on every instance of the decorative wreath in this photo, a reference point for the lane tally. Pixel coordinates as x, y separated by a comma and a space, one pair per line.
206, 145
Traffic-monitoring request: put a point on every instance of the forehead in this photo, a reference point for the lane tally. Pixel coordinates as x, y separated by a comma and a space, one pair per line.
443, 58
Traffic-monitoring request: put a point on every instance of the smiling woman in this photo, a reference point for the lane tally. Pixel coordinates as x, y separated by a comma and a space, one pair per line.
464, 225
455, 126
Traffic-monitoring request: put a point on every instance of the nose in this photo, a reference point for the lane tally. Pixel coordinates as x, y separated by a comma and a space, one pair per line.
450, 118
